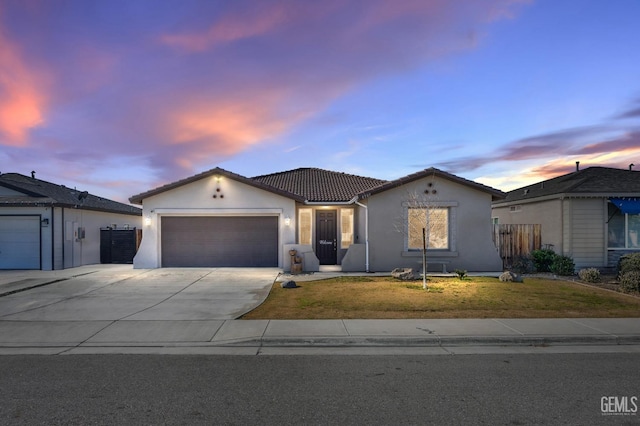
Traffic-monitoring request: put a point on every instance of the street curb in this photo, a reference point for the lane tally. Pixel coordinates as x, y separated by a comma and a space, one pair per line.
435, 341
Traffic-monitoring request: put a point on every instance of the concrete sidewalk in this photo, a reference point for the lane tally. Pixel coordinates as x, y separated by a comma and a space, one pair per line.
254, 336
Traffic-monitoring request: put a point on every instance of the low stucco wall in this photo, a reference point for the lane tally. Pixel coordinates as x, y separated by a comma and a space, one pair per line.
355, 259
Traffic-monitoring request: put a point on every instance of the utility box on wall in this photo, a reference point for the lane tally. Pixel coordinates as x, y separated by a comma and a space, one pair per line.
117, 245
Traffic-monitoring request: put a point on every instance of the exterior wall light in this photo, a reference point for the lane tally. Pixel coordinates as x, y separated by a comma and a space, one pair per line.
147, 220
287, 221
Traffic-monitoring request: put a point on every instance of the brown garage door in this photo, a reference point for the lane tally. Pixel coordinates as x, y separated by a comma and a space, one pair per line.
219, 241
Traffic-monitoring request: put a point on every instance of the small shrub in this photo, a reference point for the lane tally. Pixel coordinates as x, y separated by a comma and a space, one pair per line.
589, 275
629, 262
542, 259
461, 273
563, 265
630, 281
522, 265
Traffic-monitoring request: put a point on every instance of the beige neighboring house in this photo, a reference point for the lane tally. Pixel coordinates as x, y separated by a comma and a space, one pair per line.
219, 218
591, 215
48, 226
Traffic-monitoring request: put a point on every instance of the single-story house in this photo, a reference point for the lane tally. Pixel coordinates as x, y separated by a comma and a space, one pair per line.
48, 226
591, 215
219, 218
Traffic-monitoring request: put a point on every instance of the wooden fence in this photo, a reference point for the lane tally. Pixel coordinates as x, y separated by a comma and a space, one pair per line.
514, 241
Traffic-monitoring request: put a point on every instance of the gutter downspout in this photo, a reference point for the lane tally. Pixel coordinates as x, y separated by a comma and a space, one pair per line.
366, 234
64, 236
53, 238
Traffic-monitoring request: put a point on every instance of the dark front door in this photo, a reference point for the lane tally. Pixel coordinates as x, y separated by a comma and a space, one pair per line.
326, 241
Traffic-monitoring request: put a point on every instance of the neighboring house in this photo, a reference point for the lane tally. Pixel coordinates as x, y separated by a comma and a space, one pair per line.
48, 226
591, 215
219, 218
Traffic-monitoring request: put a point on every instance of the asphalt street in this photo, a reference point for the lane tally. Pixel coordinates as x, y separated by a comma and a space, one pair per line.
504, 389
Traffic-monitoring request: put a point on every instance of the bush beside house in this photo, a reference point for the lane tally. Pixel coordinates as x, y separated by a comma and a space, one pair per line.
629, 272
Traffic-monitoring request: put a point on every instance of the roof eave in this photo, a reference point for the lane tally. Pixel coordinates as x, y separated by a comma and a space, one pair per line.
562, 195
495, 193
52, 203
138, 199
333, 203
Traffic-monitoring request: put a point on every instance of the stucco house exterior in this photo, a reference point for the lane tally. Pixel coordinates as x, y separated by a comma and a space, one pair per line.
48, 226
591, 215
219, 218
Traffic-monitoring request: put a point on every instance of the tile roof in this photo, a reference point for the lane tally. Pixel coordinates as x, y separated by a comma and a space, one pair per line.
39, 193
432, 171
318, 185
595, 181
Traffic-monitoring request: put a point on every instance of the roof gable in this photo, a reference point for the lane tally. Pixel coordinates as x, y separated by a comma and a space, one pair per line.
432, 171
600, 181
37, 192
320, 186
137, 199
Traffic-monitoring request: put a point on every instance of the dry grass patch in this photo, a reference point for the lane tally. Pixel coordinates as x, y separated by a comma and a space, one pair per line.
477, 297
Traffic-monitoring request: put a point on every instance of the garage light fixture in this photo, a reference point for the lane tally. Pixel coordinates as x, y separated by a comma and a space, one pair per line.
147, 220
287, 221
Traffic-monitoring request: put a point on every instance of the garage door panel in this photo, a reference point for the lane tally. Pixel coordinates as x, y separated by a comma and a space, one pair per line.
19, 242
220, 241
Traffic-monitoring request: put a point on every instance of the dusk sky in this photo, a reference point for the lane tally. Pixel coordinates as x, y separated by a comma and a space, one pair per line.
118, 97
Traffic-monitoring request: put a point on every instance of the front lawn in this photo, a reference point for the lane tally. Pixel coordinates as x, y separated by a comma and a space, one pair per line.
475, 297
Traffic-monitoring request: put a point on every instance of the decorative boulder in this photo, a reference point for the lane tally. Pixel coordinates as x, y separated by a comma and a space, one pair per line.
404, 274
289, 284
510, 277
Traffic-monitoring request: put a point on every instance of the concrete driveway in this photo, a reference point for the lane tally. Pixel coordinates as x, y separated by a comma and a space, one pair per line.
119, 292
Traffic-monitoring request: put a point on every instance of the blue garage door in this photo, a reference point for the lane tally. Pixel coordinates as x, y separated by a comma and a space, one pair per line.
19, 242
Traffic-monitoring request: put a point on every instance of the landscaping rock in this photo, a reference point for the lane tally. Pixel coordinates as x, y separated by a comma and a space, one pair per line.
509, 276
404, 274
289, 284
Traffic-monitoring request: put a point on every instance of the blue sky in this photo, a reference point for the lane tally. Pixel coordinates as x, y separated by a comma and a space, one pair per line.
117, 97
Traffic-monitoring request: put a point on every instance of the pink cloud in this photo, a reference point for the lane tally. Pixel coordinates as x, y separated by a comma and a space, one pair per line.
557, 152
276, 63
23, 96
335, 32
633, 112
629, 141
181, 92
236, 26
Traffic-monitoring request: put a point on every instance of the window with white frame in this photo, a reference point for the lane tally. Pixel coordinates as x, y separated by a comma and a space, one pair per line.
346, 228
305, 226
623, 229
434, 221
